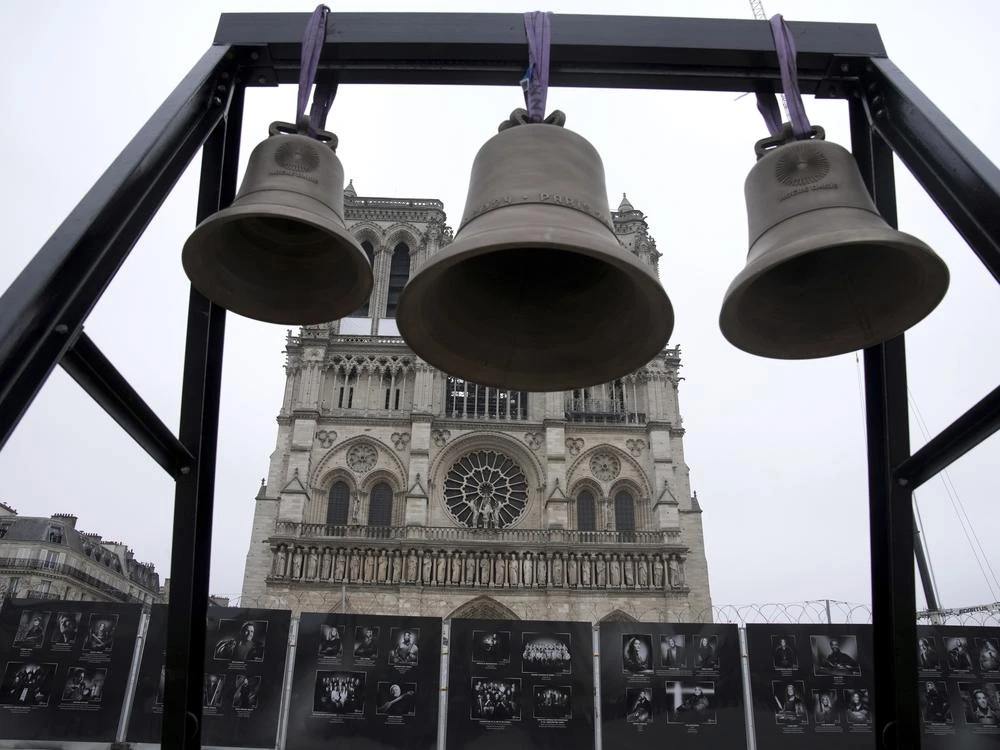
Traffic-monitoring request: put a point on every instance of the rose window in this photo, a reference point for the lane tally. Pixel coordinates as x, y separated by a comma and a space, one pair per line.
362, 457
485, 489
605, 466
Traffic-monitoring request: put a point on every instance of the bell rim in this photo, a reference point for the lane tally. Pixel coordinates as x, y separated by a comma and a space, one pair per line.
921, 255
315, 313
461, 366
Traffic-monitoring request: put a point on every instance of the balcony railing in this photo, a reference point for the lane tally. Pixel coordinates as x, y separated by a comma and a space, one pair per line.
13, 564
457, 534
41, 595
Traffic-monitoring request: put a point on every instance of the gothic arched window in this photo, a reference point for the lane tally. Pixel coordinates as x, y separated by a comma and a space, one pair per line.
338, 504
586, 513
380, 505
363, 311
624, 511
399, 272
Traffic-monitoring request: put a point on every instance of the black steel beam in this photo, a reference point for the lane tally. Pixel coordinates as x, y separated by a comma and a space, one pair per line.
891, 521
953, 442
191, 553
44, 309
704, 54
88, 366
957, 175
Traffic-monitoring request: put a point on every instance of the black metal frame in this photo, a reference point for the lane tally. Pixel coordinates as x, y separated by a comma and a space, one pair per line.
43, 312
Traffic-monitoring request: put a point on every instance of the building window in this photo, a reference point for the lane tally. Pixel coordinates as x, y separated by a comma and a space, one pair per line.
55, 534
465, 399
586, 513
380, 505
624, 512
363, 311
399, 272
13, 586
338, 505
51, 560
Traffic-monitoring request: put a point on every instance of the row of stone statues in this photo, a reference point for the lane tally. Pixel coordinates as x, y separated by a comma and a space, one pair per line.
493, 568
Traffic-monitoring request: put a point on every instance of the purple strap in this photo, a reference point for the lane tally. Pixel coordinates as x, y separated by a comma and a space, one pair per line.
312, 46
538, 27
767, 103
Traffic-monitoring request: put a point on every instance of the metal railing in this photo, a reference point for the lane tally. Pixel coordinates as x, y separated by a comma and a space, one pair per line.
10, 564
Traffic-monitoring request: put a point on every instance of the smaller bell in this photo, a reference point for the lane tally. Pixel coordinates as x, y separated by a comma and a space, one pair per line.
281, 252
825, 274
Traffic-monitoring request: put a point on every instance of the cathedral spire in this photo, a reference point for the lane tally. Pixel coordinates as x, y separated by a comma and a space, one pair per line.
625, 206
349, 191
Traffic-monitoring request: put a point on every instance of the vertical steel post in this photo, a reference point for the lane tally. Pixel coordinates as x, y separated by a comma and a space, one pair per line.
193, 500
894, 605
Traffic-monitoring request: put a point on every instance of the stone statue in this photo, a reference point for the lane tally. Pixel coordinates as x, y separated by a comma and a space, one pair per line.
629, 568
572, 574
411, 567
369, 566
297, 563
484, 569
585, 570
339, 566
643, 573
397, 566
513, 570
441, 573
382, 571
326, 564
527, 570
658, 572
557, 570
499, 570
470, 569
355, 565
674, 572
614, 572
280, 559
355, 508
542, 570
427, 569
456, 569
600, 572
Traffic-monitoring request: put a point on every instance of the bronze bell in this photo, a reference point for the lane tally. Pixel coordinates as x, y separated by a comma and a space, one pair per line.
536, 293
281, 253
825, 273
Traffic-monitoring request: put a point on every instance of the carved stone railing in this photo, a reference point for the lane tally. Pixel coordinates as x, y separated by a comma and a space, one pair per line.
546, 568
477, 537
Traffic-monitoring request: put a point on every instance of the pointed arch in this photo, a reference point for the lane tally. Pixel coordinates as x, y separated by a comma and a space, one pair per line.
399, 274
617, 615
484, 608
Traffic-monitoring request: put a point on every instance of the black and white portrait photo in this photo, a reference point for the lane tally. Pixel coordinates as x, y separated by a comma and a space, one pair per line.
240, 641
706, 653
835, 655
339, 693
495, 699
673, 653
789, 702
637, 653
783, 651
959, 656
934, 706
84, 685
31, 629
690, 702
245, 692
214, 684
396, 698
639, 705
858, 707
927, 655
553, 702
981, 702
988, 654
100, 634
27, 684
546, 653
403, 648
826, 708
66, 628
491, 647
331, 642
366, 643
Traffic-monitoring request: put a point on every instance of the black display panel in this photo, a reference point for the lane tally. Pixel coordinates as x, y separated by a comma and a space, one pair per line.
244, 671
520, 684
365, 681
671, 685
812, 685
959, 687
65, 668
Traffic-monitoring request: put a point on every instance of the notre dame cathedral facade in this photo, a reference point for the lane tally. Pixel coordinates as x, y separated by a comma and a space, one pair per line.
396, 488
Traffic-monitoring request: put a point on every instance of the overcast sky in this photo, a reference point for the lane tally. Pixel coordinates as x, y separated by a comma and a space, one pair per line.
776, 449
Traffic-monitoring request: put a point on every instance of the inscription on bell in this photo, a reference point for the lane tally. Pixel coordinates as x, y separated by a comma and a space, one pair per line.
810, 189
296, 157
540, 197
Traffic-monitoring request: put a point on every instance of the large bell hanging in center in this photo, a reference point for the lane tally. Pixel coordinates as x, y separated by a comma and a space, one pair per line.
281, 253
536, 293
825, 274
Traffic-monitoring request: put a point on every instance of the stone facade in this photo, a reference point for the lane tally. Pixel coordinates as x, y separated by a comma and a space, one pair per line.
47, 558
394, 488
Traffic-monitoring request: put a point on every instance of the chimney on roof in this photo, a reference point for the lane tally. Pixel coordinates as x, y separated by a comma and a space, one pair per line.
67, 519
